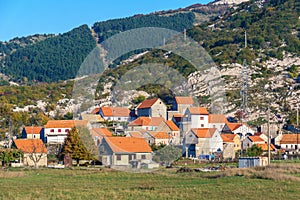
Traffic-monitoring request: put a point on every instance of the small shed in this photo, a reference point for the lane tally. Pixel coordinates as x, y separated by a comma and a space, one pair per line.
252, 162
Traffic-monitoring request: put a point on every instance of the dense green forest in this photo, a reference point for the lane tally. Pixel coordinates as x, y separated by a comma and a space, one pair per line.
176, 22
53, 59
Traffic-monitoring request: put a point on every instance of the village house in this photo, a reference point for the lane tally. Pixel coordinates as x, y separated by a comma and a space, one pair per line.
182, 103
99, 133
290, 143
228, 147
35, 152
119, 114
57, 130
152, 108
242, 129
125, 151
158, 138
202, 141
195, 117
32, 132
217, 121
251, 140
145, 123
170, 127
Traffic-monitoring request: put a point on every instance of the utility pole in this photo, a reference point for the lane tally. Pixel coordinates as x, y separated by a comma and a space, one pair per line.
269, 152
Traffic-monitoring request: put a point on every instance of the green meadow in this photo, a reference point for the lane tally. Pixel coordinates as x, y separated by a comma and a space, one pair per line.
279, 181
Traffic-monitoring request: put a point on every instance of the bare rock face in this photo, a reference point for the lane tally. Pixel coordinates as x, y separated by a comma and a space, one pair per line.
229, 2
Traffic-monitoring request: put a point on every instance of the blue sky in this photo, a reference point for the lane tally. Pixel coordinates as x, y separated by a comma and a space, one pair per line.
27, 17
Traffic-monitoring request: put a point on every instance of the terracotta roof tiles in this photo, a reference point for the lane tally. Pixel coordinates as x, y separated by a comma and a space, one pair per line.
147, 103
33, 129
198, 111
30, 145
184, 100
115, 111
204, 132
172, 126
128, 144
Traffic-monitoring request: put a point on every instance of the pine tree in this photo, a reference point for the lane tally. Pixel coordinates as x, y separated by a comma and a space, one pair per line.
74, 146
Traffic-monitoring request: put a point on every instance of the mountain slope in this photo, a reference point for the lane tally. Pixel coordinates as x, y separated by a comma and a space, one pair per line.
53, 59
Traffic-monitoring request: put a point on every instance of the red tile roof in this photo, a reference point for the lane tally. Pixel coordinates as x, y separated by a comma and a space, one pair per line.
172, 126
255, 139
290, 139
147, 121
128, 144
96, 111
216, 118
233, 126
184, 100
102, 132
115, 111
160, 135
32, 129
65, 123
227, 139
264, 147
30, 145
198, 111
147, 103
204, 132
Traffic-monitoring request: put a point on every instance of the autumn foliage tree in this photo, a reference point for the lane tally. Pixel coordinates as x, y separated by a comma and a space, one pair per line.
75, 147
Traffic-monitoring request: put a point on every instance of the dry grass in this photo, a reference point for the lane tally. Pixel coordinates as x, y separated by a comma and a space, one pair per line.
273, 172
11, 174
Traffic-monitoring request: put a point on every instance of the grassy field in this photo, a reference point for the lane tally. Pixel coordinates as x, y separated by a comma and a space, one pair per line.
276, 182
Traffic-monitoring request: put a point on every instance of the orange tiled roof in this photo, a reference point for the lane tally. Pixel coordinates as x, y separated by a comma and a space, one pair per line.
178, 115
216, 118
198, 111
160, 135
147, 121
128, 144
290, 139
233, 126
33, 129
184, 100
30, 145
95, 111
264, 147
65, 123
226, 138
115, 111
256, 139
172, 126
102, 132
147, 103
135, 134
204, 132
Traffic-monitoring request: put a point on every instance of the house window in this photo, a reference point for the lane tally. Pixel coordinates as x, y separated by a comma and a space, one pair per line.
67, 130
131, 157
119, 118
202, 125
291, 146
201, 118
286, 146
33, 136
52, 130
59, 130
118, 157
214, 126
143, 156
